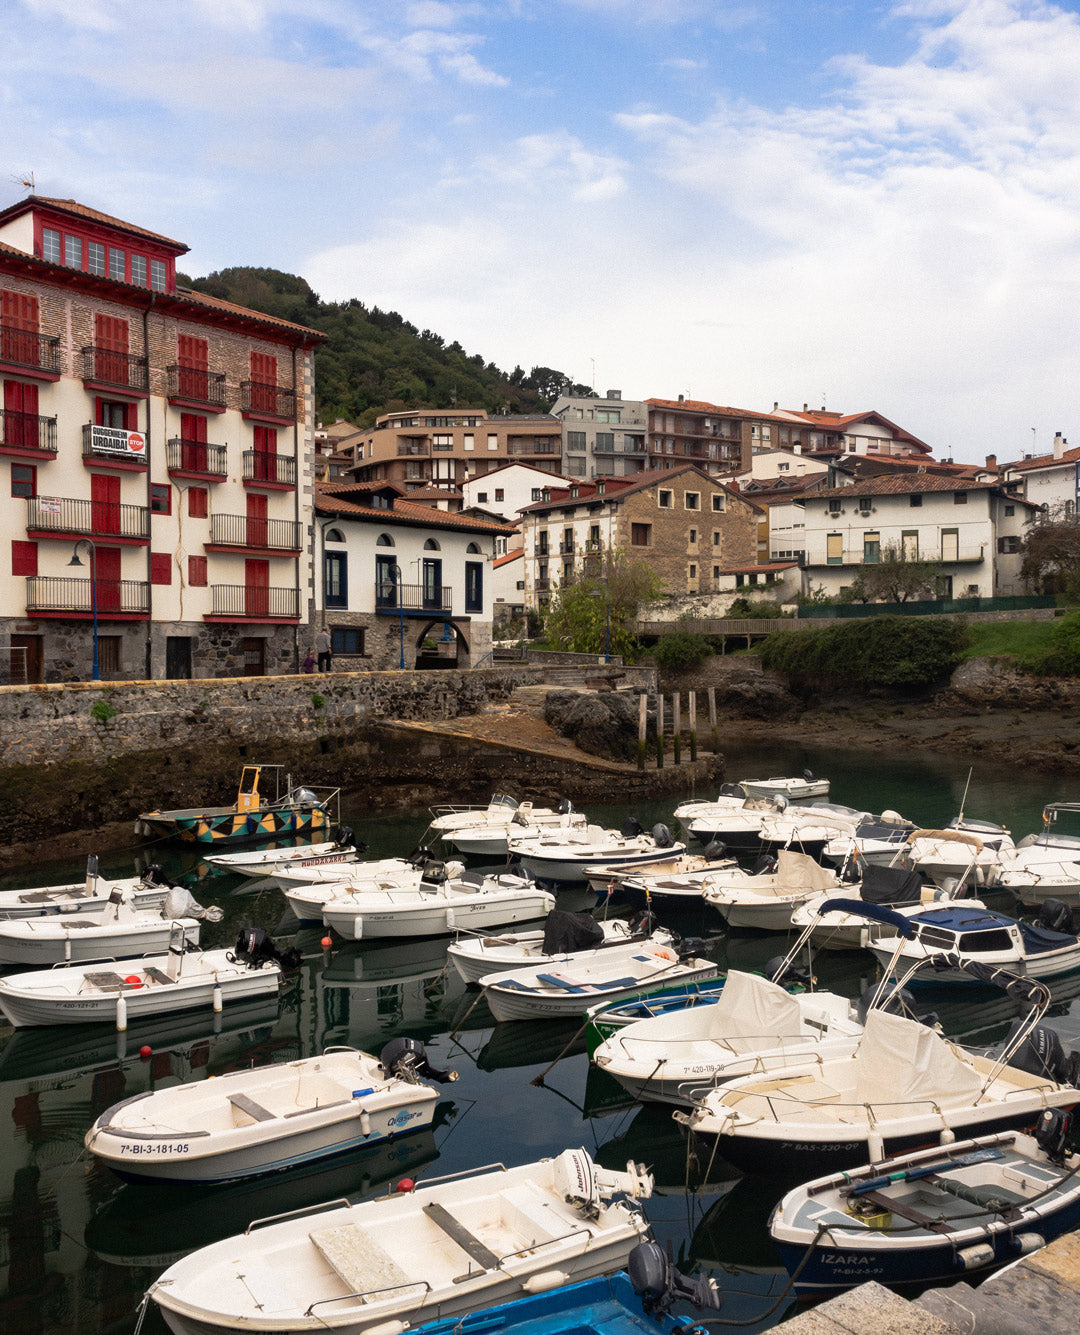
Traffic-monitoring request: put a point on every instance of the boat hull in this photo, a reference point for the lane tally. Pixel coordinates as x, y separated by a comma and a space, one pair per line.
44, 941
507, 1003
577, 867
438, 918
228, 827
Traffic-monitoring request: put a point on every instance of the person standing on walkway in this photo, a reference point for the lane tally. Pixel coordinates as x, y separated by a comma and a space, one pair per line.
322, 648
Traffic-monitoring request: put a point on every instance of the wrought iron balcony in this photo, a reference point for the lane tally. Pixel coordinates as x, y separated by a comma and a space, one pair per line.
109, 444
121, 370
594, 545
195, 385
414, 597
246, 600
274, 535
126, 597
26, 433
543, 584
94, 519
261, 466
196, 457
267, 400
567, 548
30, 352
859, 556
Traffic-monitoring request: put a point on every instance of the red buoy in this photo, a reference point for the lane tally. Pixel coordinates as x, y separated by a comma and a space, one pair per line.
133, 980
326, 943
146, 1052
406, 1184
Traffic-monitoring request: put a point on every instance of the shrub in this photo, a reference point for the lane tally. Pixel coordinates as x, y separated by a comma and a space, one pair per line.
884, 651
317, 701
681, 651
766, 608
1062, 658
101, 711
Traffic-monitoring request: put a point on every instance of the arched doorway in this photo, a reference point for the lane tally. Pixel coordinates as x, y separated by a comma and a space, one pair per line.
441, 645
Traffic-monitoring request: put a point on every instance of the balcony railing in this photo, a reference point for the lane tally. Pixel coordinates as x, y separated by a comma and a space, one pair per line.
414, 597
593, 546
95, 519
27, 431
567, 549
245, 600
35, 352
261, 466
543, 584
270, 400
536, 447
113, 444
274, 535
857, 556
413, 447
196, 456
196, 385
47, 593
120, 369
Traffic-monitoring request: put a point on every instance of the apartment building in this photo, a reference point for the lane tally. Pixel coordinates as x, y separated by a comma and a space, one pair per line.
448, 446
1050, 481
687, 525
155, 448
602, 437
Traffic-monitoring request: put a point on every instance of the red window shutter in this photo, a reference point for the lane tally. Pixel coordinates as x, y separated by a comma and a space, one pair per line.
194, 356
21, 406
196, 571
160, 568
23, 558
111, 343
263, 382
193, 427
256, 588
265, 460
197, 503
19, 327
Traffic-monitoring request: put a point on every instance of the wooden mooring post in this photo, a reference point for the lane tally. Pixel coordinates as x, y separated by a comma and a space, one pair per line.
711, 697
642, 725
676, 725
691, 707
659, 732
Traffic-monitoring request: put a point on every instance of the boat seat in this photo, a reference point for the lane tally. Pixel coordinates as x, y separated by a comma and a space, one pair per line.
107, 981
468, 1242
909, 1212
253, 1110
155, 975
358, 1260
568, 985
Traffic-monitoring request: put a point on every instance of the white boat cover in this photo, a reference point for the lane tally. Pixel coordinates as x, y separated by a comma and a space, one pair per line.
902, 1061
798, 871
750, 1006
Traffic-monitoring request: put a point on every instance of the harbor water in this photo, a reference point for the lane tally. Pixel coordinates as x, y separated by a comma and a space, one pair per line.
78, 1249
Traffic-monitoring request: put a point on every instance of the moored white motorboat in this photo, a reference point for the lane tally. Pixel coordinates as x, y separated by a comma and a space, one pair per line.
249, 1122
733, 820
898, 888
767, 899
809, 829
610, 881
805, 789
754, 1026
963, 853
147, 890
570, 855
570, 984
472, 902
476, 956
99, 994
1034, 882
307, 891
483, 831
931, 1216
904, 1087
875, 841
445, 1249
257, 863
117, 931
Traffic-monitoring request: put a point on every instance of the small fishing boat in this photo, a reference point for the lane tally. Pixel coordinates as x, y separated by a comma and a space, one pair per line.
307, 891
179, 980
733, 819
570, 984
483, 831
606, 1018
805, 789
302, 857
766, 899
1033, 883
441, 1250
472, 902
636, 886
563, 933
905, 1087
634, 1303
932, 1216
809, 829
250, 1122
946, 936
875, 841
754, 1026
570, 855
898, 888
965, 852
147, 890
293, 812
117, 931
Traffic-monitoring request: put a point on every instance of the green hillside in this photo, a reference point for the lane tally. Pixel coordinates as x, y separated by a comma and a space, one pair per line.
375, 361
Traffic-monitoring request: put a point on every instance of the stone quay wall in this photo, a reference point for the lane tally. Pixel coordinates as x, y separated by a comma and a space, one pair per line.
81, 756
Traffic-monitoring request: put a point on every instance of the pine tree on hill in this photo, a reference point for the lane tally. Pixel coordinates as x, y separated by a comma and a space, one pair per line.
376, 361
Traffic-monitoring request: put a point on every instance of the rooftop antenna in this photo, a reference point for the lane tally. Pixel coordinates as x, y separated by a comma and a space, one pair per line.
27, 181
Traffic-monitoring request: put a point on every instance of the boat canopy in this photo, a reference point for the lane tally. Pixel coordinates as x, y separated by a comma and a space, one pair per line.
798, 871
566, 932
1020, 989
902, 1061
890, 885
876, 912
751, 1006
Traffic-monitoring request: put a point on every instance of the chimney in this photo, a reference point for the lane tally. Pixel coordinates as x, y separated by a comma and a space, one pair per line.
1059, 444
776, 405
682, 398
614, 393
991, 463
805, 407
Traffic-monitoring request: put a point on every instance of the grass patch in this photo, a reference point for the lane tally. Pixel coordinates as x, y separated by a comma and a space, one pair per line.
1025, 641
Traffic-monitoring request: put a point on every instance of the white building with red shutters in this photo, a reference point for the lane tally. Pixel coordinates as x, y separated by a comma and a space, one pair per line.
156, 449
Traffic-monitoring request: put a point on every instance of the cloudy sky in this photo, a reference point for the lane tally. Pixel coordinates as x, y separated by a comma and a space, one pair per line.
807, 201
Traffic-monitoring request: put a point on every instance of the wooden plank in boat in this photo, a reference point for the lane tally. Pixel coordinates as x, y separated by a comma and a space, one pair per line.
155, 975
106, 981
358, 1260
253, 1109
468, 1242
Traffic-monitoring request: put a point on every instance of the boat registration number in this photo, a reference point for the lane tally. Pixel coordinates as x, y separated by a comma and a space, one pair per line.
149, 1148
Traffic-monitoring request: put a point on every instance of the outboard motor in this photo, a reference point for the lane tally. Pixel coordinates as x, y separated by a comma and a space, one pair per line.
643, 923
662, 836
255, 949
808, 776
690, 947
153, 875
434, 873
565, 806
658, 1283
1041, 1054
1052, 1133
631, 828
1056, 916
304, 797
420, 856
407, 1059
180, 903
764, 866
895, 1000
715, 850
346, 839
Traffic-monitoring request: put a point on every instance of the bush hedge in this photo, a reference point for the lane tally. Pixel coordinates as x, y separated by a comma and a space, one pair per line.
681, 651
904, 653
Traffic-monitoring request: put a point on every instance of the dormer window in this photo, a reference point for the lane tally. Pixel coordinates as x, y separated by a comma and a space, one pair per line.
601, 487
547, 493
575, 491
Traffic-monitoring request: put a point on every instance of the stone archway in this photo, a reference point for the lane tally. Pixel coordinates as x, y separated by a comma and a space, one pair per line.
442, 651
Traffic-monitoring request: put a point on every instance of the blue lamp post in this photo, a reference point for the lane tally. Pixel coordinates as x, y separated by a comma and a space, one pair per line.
395, 572
96, 671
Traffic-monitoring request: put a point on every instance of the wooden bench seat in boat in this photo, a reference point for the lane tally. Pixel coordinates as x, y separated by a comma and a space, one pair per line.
358, 1260
568, 985
105, 980
242, 1103
468, 1242
155, 975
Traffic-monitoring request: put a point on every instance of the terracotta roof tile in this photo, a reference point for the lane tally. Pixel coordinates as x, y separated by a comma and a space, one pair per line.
93, 215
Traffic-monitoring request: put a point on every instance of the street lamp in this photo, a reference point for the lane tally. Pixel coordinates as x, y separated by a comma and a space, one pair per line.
605, 593
395, 574
96, 672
